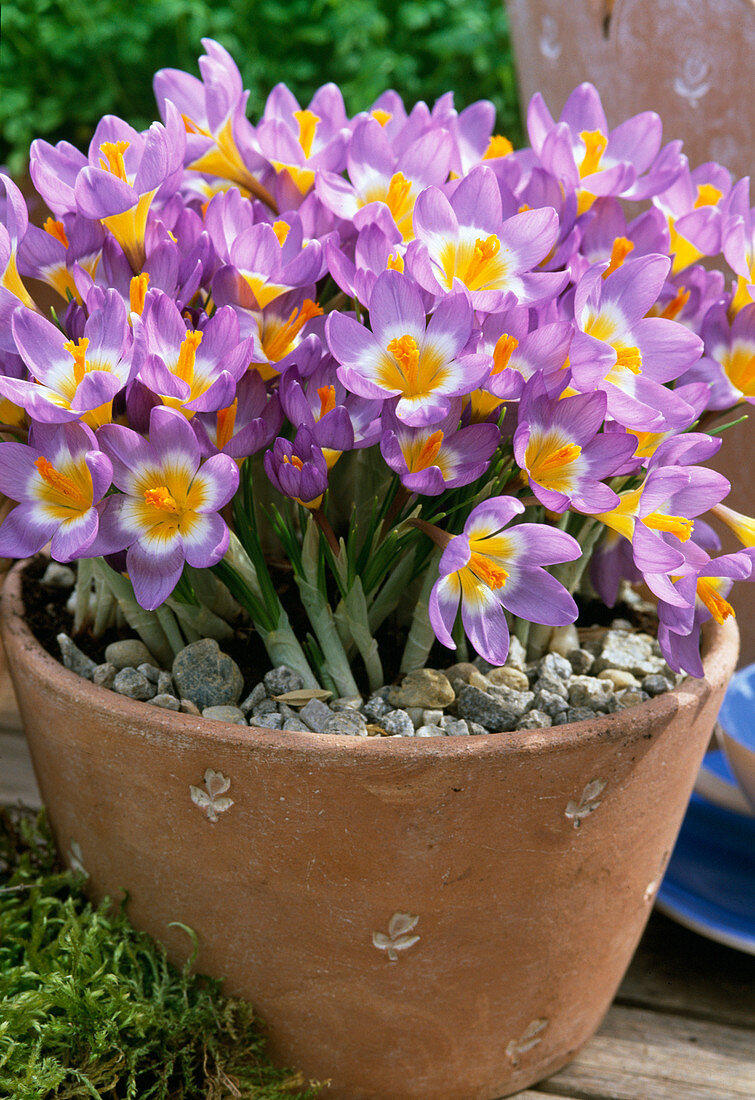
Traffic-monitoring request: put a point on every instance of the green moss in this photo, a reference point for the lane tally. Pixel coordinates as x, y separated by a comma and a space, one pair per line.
91, 1008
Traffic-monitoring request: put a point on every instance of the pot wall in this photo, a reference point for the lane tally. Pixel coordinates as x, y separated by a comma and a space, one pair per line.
530, 862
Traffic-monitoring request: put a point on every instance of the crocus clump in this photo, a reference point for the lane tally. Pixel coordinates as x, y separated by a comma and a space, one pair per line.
439, 382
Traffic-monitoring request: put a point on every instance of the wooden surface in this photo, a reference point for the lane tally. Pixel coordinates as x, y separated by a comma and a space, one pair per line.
681, 1028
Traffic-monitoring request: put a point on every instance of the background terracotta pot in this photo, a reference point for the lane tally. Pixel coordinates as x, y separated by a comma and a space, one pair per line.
446, 919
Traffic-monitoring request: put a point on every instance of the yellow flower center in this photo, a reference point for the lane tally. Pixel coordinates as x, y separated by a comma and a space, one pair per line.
78, 352
137, 292
112, 158
395, 262
672, 310
426, 454
281, 230
707, 195
719, 608
620, 249
628, 358
63, 486
57, 230
307, 125
498, 146
547, 462
161, 498
494, 576
739, 364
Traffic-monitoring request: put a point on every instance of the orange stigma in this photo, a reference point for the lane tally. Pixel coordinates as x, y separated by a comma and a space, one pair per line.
62, 484
187, 354
113, 158
281, 340
487, 571
505, 347
629, 359
57, 230
398, 192
498, 146
161, 498
719, 608
226, 424
307, 125
294, 461
679, 526
281, 230
395, 262
707, 195
673, 308
428, 453
405, 351
621, 248
78, 352
381, 116
595, 147
327, 395
137, 291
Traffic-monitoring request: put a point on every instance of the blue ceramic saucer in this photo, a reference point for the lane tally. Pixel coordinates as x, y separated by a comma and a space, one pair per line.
709, 884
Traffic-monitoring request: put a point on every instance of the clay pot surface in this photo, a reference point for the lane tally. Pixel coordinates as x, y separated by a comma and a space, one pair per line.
444, 919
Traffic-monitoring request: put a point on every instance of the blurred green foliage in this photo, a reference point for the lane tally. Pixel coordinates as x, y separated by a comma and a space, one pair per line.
64, 63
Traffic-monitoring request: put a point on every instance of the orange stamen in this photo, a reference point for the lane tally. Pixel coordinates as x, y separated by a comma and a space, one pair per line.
56, 230
327, 395
226, 424
498, 146
280, 343
595, 146
707, 195
61, 483
78, 353
405, 351
487, 571
281, 230
554, 460
629, 359
307, 125
294, 461
395, 262
137, 291
621, 248
428, 452
113, 158
505, 347
161, 498
398, 192
381, 116
187, 354
719, 608
484, 251
676, 305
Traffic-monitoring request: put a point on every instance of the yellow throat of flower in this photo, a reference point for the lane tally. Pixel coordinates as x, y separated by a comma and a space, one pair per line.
161, 498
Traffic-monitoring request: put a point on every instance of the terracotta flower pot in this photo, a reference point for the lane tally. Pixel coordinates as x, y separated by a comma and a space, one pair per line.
446, 919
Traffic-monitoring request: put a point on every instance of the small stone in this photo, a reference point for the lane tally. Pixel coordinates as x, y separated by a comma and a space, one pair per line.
254, 698
187, 707
430, 731
554, 684
286, 712
149, 670
509, 677
550, 703
348, 722
295, 725
133, 684
398, 722
104, 675
479, 680
589, 691
630, 698
58, 576
281, 679
130, 653
454, 727
477, 706
431, 717
580, 660
225, 713
347, 702
621, 624
462, 670
316, 714
375, 708
267, 721
655, 684
563, 639
165, 685
425, 687
517, 655
206, 675
166, 701
74, 659
579, 714
476, 729
267, 706
553, 664
518, 702
415, 713
619, 679
628, 652
534, 720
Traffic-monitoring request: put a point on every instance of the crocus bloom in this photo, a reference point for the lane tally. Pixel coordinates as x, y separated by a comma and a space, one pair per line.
738, 240
58, 482
167, 510
49, 254
694, 209
281, 333
517, 353
488, 569
441, 456
338, 420
73, 379
299, 469
729, 362
557, 445
267, 261
423, 366
248, 424
464, 242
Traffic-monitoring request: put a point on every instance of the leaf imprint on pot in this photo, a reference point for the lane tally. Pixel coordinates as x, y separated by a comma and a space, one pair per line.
399, 936
589, 801
76, 859
529, 1038
210, 800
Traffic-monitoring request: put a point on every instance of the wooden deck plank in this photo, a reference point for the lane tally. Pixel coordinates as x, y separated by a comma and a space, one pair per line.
641, 1055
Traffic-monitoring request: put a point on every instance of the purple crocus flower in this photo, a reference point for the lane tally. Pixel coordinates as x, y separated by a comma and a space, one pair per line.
51, 253
249, 423
490, 567
518, 350
266, 261
728, 366
338, 420
694, 208
299, 469
72, 379
284, 334
557, 445
378, 247
738, 242
402, 357
166, 512
464, 242
441, 456
58, 481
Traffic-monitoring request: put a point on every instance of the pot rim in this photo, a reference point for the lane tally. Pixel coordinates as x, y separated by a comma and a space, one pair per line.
719, 652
